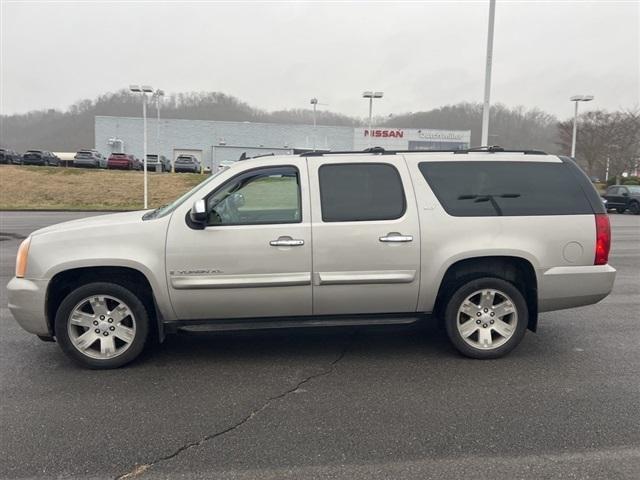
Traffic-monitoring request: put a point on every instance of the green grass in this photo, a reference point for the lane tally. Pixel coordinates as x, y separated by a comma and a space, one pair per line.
68, 188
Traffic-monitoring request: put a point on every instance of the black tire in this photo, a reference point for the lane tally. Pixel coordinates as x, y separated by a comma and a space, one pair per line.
109, 289
460, 295
620, 209
634, 207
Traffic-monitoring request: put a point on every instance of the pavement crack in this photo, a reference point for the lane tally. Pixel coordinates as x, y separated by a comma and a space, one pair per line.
140, 469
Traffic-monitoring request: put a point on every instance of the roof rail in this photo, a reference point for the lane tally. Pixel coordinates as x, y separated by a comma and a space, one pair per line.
382, 151
244, 156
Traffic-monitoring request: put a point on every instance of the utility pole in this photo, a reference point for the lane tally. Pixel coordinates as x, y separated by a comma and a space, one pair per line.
487, 76
371, 95
314, 102
144, 89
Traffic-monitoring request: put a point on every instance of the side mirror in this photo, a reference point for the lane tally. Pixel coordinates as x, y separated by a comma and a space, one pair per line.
625, 194
198, 213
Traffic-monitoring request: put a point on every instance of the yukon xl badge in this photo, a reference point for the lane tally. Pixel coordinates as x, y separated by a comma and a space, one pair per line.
195, 272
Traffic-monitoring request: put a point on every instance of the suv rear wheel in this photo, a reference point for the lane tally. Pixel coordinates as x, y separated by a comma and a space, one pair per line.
486, 318
102, 325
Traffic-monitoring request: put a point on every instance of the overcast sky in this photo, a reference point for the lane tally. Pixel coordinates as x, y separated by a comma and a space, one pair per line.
277, 55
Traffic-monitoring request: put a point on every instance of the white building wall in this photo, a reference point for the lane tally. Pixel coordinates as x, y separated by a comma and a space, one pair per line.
203, 135
217, 140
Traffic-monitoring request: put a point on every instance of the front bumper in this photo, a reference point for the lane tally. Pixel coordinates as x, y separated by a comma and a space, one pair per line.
27, 300
568, 287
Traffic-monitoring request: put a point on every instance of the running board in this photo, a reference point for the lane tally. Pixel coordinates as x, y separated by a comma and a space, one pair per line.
241, 324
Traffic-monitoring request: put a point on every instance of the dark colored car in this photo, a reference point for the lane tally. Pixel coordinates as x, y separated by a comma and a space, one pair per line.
89, 158
10, 157
124, 161
187, 163
40, 157
623, 197
153, 162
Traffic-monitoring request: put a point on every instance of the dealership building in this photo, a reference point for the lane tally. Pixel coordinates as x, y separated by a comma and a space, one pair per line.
214, 142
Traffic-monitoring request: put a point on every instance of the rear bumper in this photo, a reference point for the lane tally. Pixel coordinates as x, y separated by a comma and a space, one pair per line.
568, 287
27, 299
33, 161
120, 165
85, 162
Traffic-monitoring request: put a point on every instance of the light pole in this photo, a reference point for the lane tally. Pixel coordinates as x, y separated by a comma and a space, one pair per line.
371, 96
158, 94
143, 89
484, 141
576, 99
314, 102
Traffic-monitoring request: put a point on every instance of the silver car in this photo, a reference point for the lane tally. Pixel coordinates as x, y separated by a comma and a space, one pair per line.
89, 158
482, 240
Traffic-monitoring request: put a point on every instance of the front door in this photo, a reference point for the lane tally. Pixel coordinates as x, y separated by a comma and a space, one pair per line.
253, 259
366, 235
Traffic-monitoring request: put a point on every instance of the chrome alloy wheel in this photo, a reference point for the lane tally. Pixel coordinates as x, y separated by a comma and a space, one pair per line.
487, 319
101, 327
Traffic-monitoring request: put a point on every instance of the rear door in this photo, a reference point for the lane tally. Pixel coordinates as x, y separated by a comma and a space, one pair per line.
366, 236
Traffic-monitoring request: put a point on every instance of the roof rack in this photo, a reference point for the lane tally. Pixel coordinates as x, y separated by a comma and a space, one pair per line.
244, 156
382, 151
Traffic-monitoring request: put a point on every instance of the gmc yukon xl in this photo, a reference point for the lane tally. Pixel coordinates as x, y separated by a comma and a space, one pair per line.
483, 240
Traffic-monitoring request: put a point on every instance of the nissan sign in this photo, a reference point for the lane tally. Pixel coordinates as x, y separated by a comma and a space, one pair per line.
384, 133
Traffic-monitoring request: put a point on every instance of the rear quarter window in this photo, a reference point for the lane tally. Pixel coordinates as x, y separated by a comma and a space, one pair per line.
486, 189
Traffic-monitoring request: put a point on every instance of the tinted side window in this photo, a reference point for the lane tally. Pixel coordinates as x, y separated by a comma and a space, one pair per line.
356, 192
257, 197
479, 189
612, 191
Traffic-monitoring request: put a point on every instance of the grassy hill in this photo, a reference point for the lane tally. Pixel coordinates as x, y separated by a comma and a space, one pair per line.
59, 188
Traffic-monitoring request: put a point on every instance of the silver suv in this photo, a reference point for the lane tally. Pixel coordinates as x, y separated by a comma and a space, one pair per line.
482, 240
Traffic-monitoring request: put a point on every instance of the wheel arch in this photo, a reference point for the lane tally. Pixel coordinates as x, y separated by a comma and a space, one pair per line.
64, 282
516, 270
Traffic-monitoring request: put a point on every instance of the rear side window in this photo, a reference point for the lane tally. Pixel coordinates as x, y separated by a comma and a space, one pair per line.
358, 192
486, 189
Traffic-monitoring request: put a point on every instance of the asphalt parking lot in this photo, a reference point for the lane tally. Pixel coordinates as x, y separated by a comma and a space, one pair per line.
355, 403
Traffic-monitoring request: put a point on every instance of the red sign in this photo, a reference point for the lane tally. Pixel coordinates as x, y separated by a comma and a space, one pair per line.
384, 133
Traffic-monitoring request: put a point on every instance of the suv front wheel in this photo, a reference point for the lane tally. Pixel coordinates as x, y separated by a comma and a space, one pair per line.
486, 318
102, 325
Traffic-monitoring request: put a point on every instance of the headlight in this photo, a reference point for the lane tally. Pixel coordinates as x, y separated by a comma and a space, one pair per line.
21, 259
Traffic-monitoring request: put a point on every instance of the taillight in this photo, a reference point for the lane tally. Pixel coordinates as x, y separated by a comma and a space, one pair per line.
603, 239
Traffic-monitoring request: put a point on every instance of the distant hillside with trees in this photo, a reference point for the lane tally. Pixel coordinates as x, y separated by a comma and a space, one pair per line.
602, 134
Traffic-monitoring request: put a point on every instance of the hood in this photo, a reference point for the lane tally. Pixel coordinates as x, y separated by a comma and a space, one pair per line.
98, 221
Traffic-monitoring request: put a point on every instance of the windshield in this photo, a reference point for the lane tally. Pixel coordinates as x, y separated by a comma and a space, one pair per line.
166, 209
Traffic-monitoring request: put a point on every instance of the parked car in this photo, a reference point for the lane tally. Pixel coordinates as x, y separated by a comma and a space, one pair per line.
187, 163
40, 157
153, 162
484, 240
623, 198
89, 158
124, 161
10, 157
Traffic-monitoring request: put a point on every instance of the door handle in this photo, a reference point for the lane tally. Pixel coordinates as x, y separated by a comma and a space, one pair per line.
286, 242
395, 237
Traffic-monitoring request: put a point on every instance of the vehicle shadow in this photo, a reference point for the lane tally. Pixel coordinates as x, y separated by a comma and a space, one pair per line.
425, 340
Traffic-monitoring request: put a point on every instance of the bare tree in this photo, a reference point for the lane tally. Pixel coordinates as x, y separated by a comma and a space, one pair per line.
604, 137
